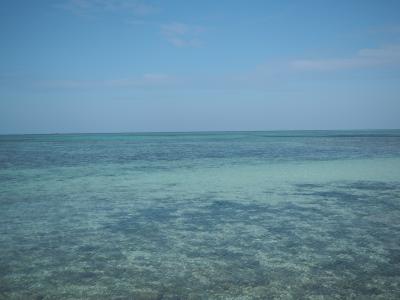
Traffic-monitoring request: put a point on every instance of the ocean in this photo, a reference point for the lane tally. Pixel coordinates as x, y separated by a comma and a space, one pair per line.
206, 215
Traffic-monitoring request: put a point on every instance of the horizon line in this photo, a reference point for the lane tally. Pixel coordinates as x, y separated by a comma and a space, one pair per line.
197, 131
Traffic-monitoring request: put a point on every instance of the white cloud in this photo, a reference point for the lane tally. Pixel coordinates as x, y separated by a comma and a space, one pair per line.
365, 58
182, 35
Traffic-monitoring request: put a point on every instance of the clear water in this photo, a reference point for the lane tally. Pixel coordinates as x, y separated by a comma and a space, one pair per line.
244, 215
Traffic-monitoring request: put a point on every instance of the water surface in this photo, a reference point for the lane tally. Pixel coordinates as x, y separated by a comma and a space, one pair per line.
229, 215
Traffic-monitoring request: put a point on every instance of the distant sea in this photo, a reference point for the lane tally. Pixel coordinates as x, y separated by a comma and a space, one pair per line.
213, 215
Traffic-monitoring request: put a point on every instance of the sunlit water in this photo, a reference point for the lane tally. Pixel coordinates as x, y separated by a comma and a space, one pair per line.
244, 215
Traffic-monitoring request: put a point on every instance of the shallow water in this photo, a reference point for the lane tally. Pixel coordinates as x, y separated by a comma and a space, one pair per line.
243, 215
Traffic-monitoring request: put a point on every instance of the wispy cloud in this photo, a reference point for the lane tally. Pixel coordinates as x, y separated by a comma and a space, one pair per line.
273, 75
94, 7
135, 12
143, 81
148, 79
365, 58
182, 35
387, 29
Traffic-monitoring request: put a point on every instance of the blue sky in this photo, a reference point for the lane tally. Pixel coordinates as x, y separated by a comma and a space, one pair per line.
127, 65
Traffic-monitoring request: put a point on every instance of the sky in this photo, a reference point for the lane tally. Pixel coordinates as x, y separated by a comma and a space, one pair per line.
130, 66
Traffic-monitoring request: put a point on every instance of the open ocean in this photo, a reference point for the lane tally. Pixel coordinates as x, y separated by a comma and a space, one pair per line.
224, 215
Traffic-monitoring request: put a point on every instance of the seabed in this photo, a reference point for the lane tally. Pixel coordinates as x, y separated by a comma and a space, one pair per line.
262, 215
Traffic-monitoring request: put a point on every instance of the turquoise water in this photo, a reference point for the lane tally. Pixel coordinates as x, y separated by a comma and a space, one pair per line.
241, 215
